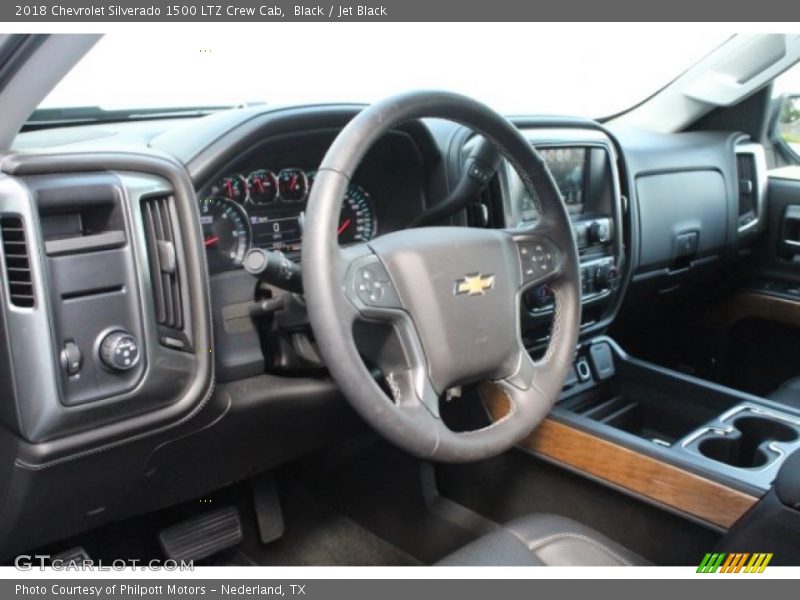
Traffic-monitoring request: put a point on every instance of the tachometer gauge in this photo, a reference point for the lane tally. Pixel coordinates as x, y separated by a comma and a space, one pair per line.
232, 186
292, 185
226, 232
262, 186
357, 221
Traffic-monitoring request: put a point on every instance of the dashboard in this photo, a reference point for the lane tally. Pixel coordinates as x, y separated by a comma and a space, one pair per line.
112, 226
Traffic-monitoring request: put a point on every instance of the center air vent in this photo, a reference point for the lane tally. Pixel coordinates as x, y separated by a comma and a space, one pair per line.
160, 228
17, 261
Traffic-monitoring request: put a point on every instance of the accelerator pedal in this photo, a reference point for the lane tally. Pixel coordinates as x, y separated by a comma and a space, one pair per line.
203, 535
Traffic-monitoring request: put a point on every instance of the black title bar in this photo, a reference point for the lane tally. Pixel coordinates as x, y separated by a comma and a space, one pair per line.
396, 11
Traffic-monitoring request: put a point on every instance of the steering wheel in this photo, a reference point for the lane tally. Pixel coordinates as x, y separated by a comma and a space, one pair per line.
451, 295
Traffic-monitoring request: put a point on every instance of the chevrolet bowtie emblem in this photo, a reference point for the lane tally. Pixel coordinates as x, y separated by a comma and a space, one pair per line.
474, 285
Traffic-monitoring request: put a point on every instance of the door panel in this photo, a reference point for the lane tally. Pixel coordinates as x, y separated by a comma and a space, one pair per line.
759, 327
779, 254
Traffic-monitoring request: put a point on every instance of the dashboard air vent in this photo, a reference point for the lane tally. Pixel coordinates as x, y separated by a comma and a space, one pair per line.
160, 227
750, 173
17, 261
745, 166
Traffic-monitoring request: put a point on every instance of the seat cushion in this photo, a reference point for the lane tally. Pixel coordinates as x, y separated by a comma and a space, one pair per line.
543, 540
788, 393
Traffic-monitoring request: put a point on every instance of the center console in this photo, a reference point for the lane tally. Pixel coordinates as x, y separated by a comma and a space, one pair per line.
718, 433
706, 452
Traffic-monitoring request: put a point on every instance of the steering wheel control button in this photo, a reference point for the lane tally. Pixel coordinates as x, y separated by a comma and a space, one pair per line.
372, 285
369, 287
537, 258
119, 351
71, 358
366, 275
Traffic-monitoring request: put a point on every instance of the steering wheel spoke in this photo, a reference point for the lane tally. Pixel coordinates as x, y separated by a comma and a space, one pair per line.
410, 387
408, 380
374, 298
525, 374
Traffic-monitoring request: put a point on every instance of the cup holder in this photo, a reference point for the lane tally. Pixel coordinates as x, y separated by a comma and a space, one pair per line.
745, 446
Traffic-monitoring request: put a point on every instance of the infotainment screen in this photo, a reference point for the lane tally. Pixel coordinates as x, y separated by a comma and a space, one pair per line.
567, 164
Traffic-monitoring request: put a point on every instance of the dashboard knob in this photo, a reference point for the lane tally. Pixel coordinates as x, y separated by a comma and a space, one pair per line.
119, 351
600, 232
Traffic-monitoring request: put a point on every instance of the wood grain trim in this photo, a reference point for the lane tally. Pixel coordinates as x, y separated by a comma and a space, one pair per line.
633, 471
753, 305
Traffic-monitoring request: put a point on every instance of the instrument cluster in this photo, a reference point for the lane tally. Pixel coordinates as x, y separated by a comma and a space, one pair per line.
266, 209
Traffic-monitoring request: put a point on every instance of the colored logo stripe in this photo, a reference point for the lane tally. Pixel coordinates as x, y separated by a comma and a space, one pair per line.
758, 563
711, 563
735, 562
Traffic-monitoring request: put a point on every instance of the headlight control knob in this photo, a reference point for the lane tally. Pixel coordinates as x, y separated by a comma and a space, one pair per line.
119, 351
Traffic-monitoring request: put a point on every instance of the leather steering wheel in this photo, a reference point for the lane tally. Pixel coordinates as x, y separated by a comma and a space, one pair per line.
450, 294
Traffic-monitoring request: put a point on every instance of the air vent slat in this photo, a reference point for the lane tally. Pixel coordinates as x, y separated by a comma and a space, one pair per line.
160, 234
15, 248
21, 289
17, 262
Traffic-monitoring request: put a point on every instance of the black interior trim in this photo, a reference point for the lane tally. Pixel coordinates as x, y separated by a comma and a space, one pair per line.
107, 436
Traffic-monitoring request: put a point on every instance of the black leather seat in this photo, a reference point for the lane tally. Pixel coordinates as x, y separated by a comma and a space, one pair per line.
788, 393
543, 540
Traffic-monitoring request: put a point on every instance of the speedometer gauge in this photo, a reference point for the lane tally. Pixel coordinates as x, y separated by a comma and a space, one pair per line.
357, 219
226, 232
357, 222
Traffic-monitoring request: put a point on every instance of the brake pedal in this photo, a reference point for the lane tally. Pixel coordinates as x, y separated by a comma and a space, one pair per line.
268, 508
202, 536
